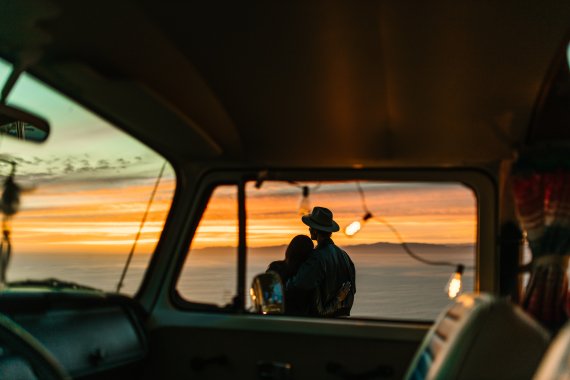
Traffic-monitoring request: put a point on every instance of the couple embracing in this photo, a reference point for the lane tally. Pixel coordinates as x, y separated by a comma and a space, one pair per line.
318, 281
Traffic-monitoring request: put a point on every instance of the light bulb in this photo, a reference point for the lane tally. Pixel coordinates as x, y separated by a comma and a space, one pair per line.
352, 228
355, 226
454, 285
305, 204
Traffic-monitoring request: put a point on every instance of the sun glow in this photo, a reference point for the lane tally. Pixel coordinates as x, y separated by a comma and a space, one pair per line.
98, 221
107, 220
444, 215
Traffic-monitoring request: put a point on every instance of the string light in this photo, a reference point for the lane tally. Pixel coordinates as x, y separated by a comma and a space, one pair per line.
453, 287
356, 226
305, 204
261, 177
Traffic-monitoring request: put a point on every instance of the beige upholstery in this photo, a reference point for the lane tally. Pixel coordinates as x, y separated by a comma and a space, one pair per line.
556, 362
480, 337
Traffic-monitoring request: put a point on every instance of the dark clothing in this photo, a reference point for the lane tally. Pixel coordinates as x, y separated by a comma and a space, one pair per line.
282, 269
324, 272
298, 301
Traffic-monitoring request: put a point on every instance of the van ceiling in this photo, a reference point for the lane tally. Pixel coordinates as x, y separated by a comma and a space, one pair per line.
306, 83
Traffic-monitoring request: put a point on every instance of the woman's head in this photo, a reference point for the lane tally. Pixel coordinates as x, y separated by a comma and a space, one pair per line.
298, 251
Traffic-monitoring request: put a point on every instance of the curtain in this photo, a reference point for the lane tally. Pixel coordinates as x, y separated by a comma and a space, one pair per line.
541, 186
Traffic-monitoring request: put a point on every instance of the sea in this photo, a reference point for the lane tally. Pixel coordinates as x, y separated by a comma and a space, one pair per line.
389, 283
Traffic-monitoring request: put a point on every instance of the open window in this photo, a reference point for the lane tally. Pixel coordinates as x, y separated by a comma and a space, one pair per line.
437, 221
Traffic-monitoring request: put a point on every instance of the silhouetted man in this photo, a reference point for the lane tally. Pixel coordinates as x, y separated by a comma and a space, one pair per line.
328, 267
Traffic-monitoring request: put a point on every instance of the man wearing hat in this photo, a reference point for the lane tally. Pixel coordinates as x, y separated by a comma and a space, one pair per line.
328, 268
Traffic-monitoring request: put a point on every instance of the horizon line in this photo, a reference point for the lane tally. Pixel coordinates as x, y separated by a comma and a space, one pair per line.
351, 245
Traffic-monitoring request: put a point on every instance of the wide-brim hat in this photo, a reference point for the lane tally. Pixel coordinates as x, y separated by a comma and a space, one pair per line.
321, 219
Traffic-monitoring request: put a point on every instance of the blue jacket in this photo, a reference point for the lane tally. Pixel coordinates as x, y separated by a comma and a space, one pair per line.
324, 272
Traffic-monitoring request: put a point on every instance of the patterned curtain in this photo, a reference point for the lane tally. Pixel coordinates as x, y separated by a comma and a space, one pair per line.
541, 185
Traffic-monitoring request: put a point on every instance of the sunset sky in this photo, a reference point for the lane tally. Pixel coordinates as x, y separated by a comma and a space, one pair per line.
89, 185
429, 213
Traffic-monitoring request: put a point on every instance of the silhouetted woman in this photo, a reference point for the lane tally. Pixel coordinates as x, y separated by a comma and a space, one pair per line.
298, 250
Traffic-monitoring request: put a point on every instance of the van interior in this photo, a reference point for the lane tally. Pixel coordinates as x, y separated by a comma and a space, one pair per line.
156, 157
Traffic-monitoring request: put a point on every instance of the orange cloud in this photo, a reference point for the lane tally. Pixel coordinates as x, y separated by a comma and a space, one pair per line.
68, 219
444, 214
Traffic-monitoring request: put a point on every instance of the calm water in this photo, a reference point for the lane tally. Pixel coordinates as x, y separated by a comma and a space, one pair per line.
389, 284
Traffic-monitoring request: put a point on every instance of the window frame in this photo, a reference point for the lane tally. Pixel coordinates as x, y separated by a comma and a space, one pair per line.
482, 184
119, 126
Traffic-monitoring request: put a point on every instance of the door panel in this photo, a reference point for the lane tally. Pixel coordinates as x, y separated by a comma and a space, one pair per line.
212, 346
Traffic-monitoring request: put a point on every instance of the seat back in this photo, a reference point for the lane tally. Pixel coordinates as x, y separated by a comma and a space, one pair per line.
480, 337
556, 362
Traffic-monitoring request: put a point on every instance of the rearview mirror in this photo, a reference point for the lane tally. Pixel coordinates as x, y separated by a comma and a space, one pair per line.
22, 125
267, 294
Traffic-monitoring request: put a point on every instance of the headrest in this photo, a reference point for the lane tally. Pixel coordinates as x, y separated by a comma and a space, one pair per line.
481, 337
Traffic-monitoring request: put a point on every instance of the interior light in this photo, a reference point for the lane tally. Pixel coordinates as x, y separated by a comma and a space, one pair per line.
455, 285
305, 204
356, 226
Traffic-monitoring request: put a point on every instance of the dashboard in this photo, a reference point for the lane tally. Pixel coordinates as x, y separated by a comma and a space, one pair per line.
91, 334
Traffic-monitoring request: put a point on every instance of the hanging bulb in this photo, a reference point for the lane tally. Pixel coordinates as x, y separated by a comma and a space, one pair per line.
261, 177
305, 204
454, 285
355, 226
352, 228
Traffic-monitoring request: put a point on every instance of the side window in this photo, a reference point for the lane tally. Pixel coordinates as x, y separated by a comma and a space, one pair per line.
91, 196
437, 221
209, 274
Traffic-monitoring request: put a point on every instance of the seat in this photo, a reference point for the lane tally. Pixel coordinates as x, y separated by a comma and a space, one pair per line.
480, 337
556, 362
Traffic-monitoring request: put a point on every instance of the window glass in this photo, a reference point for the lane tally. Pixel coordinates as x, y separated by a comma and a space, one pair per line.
86, 191
209, 274
438, 222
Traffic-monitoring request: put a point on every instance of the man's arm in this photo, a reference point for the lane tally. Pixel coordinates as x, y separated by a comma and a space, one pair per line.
310, 274
334, 305
352, 275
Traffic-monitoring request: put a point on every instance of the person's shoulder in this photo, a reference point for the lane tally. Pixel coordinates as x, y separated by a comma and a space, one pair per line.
339, 249
277, 266
318, 252
343, 252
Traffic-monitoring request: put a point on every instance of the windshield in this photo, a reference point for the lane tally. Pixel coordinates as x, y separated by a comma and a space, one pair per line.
91, 194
